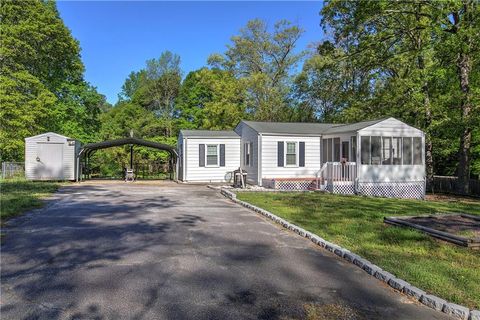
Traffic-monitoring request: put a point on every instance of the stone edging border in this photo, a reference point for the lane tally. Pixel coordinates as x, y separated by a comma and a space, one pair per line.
399, 285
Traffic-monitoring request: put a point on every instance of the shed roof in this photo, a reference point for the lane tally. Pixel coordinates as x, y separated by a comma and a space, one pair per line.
298, 128
209, 134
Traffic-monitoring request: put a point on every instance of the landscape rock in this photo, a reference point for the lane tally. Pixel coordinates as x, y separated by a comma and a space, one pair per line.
456, 311
413, 292
474, 315
384, 275
397, 284
433, 302
370, 268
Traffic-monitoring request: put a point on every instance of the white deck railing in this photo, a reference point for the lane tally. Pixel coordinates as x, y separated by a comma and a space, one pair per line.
337, 171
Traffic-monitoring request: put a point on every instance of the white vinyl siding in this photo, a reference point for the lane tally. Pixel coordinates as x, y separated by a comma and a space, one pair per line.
192, 172
270, 168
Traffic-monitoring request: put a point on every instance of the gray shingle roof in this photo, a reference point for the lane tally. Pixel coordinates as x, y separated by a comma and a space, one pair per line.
298, 128
302, 128
352, 126
209, 134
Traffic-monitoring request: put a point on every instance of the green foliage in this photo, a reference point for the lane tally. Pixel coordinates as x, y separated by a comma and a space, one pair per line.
42, 87
401, 59
263, 60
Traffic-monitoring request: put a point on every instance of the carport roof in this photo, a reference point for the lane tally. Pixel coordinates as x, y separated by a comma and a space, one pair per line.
209, 134
124, 141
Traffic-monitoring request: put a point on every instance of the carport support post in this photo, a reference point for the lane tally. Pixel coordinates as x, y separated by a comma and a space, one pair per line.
131, 156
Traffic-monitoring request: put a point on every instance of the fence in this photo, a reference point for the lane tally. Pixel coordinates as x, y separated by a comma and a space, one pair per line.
446, 184
13, 169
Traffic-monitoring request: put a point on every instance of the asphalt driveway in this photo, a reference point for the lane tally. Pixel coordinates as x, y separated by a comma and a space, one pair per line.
146, 251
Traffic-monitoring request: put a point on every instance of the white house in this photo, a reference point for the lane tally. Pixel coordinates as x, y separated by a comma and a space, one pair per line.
382, 157
207, 156
50, 156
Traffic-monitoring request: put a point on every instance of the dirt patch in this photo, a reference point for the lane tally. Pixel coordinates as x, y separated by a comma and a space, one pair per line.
454, 224
451, 198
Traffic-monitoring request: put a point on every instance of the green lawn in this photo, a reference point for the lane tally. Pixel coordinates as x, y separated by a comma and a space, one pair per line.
356, 223
17, 195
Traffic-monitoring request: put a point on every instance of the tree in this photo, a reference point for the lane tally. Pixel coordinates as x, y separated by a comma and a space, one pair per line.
156, 88
399, 48
41, 73
460, 47
264, 61
210, 99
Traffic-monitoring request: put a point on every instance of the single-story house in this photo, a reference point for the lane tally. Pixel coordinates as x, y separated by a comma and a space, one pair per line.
383, 157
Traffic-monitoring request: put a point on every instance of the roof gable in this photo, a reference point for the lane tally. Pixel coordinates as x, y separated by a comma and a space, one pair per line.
292, 128
209, 134
48, 134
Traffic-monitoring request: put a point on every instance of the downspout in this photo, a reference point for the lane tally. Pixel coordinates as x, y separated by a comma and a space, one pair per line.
259, 160
357, 161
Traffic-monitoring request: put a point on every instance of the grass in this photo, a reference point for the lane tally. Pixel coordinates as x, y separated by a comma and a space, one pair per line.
19, 195
356, 223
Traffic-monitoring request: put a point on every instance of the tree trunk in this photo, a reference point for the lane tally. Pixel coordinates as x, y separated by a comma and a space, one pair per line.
463, 170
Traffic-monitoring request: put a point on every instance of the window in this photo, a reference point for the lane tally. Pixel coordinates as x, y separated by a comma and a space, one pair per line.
417, 150
212, 155
291, 154
365, 148
407, 151
247, 152
386, 150
397, 150
376, 147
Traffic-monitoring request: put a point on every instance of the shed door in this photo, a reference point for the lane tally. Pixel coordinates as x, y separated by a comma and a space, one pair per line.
51, 161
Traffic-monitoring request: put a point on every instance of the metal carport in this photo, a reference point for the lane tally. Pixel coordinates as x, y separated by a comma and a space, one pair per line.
88, 149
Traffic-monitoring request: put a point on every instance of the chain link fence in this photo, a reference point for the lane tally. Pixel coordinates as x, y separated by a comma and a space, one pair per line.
13, 170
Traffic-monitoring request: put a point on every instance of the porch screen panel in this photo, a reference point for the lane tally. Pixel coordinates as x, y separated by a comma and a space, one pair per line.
324, 150
397, 150
365, 150
407, 151
353, 143
345, 151
336, 149
376, 150
386, 150
417, 150
329, 151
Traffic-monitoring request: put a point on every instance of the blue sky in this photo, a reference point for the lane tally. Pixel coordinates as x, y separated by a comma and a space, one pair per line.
118, 37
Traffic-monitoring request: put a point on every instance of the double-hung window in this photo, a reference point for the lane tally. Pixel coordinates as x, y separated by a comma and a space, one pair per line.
212, 155
291, 154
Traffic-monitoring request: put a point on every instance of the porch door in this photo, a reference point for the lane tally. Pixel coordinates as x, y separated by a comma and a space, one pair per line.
345, 150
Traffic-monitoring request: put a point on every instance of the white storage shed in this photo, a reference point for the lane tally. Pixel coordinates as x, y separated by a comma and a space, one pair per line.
50, 156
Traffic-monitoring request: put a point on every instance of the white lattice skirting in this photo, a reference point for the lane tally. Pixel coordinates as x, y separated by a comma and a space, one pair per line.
290, 184
409, 189
343, 187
